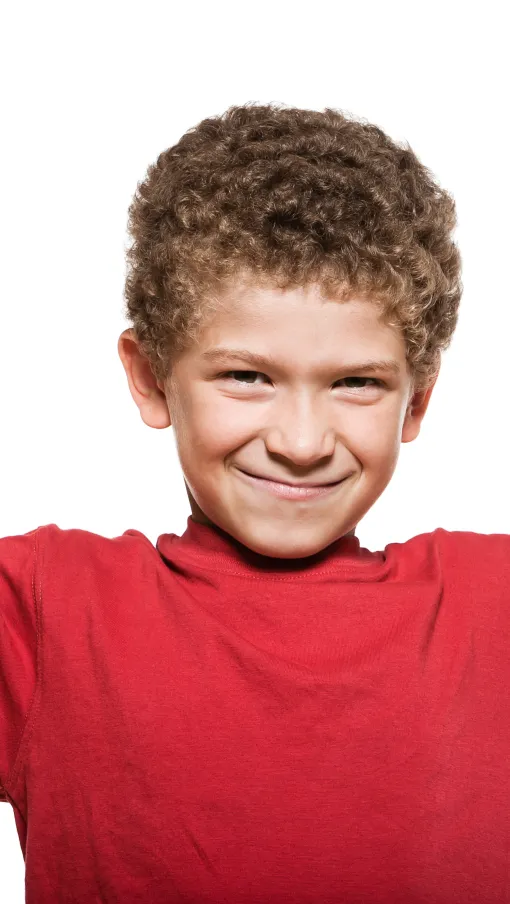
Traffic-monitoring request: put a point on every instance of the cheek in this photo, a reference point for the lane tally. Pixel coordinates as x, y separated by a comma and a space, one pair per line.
208, 427
209, 430
373, 436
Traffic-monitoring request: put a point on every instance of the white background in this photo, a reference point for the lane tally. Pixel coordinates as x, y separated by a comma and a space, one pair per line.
92, 92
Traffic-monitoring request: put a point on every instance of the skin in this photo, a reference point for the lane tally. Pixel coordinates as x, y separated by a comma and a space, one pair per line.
305, 419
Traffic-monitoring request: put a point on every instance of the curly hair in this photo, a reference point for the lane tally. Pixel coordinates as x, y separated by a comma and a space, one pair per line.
288, 197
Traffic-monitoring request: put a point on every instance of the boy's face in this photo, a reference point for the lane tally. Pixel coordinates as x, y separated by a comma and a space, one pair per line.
306, 416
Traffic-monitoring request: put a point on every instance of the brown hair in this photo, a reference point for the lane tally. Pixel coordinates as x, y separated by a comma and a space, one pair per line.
290, 197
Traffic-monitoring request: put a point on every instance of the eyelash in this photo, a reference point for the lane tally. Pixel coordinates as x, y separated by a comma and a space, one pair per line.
228, 373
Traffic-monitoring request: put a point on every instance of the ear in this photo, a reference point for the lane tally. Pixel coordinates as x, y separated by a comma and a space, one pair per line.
145, 389
415, 413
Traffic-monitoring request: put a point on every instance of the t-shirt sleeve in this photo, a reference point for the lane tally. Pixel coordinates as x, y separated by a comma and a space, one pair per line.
19, 619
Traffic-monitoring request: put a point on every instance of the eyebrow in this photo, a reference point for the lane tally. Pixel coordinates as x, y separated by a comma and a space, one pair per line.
223, 355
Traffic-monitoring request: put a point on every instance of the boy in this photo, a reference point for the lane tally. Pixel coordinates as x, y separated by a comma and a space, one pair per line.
262, 710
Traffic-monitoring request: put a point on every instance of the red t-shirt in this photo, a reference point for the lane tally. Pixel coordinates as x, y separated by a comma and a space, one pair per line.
194, 722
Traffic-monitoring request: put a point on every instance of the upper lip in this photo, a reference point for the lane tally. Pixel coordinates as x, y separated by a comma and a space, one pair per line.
290, 483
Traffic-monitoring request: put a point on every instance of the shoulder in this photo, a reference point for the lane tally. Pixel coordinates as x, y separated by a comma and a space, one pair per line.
458, 545
465, 557
50, 548
468, 547
476, 564
462, 556
52, 536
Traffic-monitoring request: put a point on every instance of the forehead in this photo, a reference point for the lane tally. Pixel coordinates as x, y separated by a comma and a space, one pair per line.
299, 321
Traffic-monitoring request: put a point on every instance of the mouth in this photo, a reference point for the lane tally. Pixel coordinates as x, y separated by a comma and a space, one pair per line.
291, 491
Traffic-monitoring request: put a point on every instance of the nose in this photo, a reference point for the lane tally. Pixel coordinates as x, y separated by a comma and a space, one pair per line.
301, 433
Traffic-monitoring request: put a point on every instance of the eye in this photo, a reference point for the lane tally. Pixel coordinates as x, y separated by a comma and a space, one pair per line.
250, 373
237, 375
362, 380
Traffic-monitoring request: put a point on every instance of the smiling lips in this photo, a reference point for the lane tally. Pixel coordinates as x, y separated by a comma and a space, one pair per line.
289, 484
290, 491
